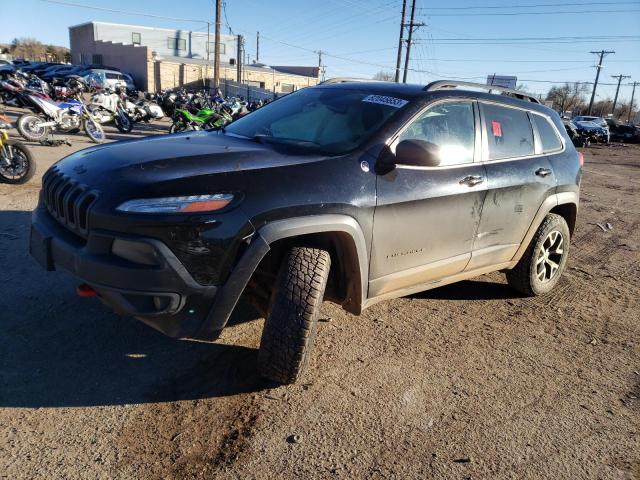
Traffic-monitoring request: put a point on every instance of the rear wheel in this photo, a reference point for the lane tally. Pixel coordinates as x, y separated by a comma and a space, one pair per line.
16, 164
31, 128
290, 328
123, 122
542, 264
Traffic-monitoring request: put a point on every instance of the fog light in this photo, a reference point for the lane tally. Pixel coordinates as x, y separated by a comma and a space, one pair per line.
136, 252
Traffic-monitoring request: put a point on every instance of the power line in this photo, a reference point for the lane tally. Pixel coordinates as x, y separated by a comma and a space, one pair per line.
532, 5
112, 10
515, 14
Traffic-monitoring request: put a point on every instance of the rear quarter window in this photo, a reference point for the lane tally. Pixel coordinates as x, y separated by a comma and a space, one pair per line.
548, 136
508, 132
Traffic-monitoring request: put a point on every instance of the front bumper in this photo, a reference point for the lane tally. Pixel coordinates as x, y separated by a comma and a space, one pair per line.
164, 295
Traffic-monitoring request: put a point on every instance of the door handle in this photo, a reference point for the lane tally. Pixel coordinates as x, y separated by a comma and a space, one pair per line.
471, 180
543, 172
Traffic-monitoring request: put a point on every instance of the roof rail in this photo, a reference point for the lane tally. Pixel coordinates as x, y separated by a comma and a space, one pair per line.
346, 80
450, 84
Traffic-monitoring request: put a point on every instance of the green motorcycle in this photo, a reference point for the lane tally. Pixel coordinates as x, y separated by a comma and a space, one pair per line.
205, 119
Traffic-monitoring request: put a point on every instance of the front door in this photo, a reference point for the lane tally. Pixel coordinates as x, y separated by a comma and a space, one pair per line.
426, 217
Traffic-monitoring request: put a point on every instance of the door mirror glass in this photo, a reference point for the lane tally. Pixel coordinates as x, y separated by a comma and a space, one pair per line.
417, 153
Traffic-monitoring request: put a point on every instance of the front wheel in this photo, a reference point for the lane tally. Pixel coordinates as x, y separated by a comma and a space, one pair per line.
180, 127
542, 264
93, 130
290, 328
31, 128
123, 122
16, 163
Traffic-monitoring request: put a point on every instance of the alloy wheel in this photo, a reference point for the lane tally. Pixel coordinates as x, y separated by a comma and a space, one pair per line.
549, 256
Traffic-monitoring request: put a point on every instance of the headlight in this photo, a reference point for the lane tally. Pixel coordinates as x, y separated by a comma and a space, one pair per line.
190, 204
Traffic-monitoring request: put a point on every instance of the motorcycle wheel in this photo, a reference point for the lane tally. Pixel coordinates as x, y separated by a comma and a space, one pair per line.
123, 122
16, 163
28, 127
93, 130
180, 127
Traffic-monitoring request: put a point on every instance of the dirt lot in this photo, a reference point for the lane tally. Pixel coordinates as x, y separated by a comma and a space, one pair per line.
466, 381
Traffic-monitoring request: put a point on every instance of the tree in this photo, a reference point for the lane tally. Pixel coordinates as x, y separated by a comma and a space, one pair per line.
568, 97
28, 48
385, 76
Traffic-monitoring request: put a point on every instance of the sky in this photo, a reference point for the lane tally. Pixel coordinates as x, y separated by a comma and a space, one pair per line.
460, 39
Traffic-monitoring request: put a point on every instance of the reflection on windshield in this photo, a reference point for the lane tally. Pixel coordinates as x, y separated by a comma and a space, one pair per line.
330, 120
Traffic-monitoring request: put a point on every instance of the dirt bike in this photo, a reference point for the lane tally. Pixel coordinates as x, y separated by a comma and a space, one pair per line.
16, 164
107, 106
66, 116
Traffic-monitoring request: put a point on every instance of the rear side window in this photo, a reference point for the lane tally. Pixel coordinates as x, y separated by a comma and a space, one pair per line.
548, 136
508, 132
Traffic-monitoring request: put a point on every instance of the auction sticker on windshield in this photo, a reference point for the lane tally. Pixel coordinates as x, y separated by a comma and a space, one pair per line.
384, 100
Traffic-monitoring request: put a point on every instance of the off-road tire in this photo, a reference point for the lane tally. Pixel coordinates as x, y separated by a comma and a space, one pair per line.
290, 328
30, 167
523, 276
27, 133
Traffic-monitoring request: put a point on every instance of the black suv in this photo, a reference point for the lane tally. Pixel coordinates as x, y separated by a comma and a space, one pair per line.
349, 192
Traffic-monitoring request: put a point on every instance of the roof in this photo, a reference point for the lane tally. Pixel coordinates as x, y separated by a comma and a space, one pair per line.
141, 27
249, 67
298, 70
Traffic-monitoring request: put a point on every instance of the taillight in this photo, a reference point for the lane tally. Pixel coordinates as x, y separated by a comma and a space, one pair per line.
581, 157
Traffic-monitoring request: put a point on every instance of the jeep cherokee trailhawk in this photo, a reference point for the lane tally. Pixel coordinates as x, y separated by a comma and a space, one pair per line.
348, 191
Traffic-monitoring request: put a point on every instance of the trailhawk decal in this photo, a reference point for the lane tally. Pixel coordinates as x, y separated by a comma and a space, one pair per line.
383, 100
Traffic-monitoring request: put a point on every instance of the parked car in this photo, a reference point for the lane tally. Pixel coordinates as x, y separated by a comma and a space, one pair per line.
624, 133
599, 121
348, 192
105, 79
593, 131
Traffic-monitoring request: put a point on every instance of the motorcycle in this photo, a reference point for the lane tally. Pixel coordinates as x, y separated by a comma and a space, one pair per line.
107, 106
207, 118
66, 116
16, 163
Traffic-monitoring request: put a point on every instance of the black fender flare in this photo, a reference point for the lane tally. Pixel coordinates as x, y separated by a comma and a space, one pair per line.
229, 293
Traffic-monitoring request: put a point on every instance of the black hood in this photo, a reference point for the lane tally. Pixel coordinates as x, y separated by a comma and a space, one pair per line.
163, 158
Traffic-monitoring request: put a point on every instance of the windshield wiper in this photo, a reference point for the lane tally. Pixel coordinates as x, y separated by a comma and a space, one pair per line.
261, 138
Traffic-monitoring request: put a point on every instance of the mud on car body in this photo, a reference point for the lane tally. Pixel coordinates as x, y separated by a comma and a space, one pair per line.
348, 192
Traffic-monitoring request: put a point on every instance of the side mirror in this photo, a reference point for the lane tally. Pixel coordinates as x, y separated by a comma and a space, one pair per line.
417, 153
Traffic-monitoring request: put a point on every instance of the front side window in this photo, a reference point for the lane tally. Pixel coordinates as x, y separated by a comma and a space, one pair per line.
548, 136
508, 132
450, 126
330, 120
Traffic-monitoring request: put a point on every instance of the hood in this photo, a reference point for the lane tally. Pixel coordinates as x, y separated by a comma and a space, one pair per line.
162, 158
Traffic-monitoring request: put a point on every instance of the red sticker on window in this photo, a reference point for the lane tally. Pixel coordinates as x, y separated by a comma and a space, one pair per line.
497, 128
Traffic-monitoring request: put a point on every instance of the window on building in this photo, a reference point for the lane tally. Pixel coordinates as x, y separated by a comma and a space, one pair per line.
287, 87
212, 48
548, 135
136, 38
174, 43
96, 59
508, 131
450, 126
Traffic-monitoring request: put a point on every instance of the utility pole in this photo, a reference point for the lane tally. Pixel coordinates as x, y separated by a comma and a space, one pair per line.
602, 54
400, 40
321, 68
412, 25
633, 94
239, 55
216, 61
206, 68
258, 47
615, 99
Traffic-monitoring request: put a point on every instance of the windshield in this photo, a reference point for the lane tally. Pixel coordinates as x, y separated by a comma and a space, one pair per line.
333, 121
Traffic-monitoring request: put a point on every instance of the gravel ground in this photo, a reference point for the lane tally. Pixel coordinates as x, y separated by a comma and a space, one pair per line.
465, 381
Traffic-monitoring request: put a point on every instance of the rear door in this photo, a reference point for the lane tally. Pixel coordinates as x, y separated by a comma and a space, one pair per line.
520, 178
426, 217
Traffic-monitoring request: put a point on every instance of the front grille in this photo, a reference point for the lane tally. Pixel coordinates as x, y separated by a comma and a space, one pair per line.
68, 201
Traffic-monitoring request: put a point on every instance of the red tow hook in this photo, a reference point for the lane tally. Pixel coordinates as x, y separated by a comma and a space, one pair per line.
85, 290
